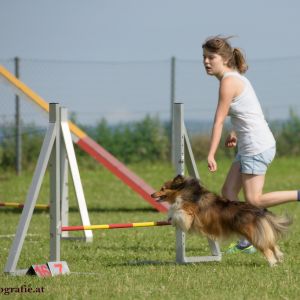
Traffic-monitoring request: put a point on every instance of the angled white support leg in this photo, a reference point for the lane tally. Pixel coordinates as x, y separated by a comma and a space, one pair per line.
189, 156
31, 198
75, 174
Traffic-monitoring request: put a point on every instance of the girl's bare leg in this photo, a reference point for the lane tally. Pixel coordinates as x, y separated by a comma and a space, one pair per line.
253, 187
233, 182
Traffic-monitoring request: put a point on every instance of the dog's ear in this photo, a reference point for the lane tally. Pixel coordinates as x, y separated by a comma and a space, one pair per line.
178, 181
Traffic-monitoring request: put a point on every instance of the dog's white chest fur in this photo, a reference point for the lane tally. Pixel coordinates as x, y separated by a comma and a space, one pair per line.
179, 218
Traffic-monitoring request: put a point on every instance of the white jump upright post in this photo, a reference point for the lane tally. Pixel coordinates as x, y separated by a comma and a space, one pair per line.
184, 156
55, 186
57, 150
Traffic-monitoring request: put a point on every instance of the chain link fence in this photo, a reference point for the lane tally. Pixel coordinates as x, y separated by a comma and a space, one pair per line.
128, 91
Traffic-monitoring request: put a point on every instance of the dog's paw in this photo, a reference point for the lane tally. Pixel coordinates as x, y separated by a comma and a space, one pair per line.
273, 264
280, 257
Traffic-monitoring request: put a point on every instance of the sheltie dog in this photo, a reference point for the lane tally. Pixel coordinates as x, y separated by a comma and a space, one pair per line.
195, 209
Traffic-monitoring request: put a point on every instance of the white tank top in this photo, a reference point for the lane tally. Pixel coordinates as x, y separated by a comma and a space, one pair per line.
248, 121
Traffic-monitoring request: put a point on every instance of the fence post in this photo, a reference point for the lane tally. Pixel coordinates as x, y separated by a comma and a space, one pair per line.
172, 100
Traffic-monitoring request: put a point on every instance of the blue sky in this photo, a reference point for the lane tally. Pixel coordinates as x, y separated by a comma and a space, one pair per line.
141, 30
110, 31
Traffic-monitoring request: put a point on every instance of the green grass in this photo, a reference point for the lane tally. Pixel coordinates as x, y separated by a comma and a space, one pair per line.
138, 263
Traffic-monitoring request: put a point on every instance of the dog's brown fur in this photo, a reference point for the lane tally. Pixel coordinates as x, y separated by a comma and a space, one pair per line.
195, 209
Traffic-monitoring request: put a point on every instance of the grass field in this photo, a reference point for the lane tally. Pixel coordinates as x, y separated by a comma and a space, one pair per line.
138, 263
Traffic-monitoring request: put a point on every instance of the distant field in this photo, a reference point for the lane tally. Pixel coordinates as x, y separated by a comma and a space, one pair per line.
139, 263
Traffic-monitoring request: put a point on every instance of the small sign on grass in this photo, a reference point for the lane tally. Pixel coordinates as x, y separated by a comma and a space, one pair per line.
49, 269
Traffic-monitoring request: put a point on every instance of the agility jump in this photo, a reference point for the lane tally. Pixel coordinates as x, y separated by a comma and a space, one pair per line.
51, 149
183, 156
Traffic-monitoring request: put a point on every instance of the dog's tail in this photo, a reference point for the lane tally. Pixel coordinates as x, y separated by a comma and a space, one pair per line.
271, 228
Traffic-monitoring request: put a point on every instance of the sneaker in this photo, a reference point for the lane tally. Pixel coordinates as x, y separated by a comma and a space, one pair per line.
237, 248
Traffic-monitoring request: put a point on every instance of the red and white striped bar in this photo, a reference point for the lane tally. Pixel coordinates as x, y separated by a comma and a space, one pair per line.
115, 226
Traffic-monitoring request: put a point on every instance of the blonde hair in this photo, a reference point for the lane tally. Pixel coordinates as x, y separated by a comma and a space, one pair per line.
234, 56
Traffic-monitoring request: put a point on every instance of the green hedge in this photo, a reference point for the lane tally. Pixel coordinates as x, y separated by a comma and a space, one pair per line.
145, 140
133, 142
32, 138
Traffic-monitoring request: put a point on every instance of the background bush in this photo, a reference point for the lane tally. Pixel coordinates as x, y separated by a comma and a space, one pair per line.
288, 138
133, 142
200, 144
32, 138
145, 140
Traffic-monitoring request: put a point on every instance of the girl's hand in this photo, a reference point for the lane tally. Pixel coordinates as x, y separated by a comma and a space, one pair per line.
231, 140
212, 164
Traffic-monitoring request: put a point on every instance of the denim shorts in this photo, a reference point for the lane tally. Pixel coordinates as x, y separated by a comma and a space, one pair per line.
256, 164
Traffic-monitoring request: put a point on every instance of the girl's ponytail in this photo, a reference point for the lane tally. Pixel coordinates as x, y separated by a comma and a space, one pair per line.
239, 60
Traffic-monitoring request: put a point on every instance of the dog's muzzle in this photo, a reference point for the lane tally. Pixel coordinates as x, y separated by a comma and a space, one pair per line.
158, 198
